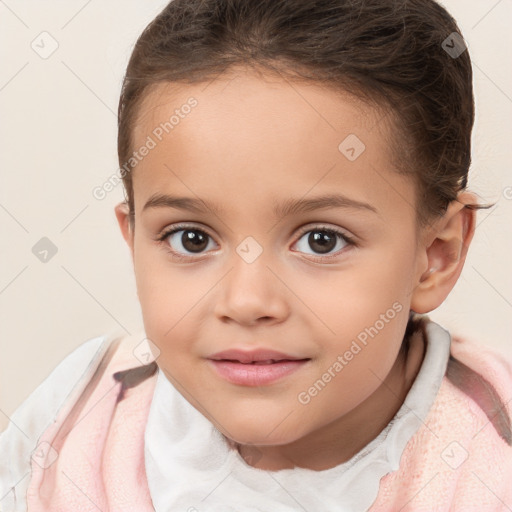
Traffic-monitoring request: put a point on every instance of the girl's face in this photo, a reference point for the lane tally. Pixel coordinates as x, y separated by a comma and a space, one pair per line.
294, 234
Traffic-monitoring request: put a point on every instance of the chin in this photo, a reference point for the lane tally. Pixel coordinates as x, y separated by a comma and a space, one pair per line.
260, 433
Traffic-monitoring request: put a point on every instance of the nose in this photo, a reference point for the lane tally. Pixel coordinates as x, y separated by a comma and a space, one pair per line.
251, 294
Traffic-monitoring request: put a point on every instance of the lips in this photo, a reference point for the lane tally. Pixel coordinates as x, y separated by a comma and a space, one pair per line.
255, 367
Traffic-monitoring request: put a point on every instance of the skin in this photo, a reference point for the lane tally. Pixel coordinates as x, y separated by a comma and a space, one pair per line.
252, 141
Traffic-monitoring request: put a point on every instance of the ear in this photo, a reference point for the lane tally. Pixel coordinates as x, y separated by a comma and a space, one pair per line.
125, 223
444, 249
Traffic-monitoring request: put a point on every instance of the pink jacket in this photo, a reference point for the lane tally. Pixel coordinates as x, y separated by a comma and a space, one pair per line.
459, 460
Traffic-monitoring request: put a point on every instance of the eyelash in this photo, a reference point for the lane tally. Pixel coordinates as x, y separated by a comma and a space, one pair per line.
183, 227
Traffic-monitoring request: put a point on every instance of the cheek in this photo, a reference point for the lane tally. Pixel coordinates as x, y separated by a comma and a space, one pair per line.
168, 298
365, 312
378, 282
158, 292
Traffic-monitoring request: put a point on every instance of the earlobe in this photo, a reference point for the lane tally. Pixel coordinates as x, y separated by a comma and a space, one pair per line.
445, 252
123, 218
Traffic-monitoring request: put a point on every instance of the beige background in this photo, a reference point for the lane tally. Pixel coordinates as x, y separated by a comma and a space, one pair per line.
58, 142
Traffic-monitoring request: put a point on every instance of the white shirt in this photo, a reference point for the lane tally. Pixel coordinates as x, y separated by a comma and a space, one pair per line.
190, 466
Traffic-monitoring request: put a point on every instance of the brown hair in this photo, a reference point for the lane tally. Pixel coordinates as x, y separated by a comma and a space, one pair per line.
390, 52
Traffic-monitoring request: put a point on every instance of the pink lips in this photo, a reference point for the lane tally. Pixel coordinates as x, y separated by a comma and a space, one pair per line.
255, 367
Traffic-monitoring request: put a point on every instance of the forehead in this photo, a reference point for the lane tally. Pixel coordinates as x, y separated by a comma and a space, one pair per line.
266, 137
228, 100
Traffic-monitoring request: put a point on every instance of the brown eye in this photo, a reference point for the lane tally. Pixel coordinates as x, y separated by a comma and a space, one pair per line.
188, 240
322, 241
194, 240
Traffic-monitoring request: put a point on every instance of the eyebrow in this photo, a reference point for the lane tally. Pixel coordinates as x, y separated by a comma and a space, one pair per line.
287, 207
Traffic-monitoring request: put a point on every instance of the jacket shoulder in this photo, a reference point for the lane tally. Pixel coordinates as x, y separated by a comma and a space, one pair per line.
466, 433
485, 376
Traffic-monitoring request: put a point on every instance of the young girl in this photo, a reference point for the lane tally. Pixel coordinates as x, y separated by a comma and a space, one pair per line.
296, 203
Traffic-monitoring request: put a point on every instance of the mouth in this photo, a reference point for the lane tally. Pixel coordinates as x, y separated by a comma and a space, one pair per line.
261, 372
255, 356
267, 361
